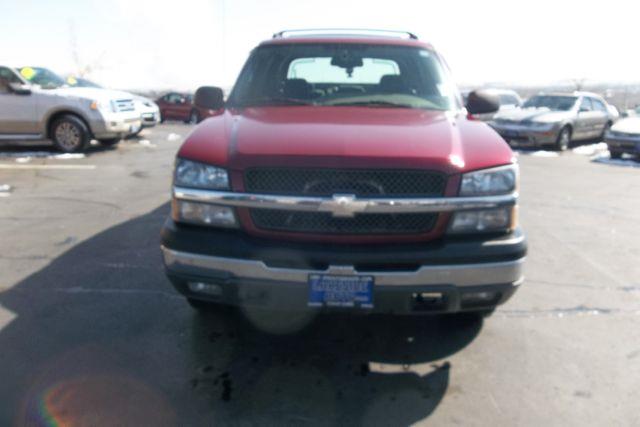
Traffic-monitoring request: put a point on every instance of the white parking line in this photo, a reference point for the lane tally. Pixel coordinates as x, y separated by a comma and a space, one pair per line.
48, 167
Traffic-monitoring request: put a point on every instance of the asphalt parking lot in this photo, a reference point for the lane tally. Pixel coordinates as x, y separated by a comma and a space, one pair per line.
91, 330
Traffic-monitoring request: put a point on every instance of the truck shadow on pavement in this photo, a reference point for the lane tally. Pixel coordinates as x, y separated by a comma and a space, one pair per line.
99, 337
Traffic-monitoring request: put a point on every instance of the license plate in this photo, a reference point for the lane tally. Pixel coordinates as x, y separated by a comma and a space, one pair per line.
340, 291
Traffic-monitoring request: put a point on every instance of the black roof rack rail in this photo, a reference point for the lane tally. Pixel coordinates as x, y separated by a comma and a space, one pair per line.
345, 31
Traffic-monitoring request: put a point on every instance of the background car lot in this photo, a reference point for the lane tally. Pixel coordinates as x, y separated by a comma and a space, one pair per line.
86, 312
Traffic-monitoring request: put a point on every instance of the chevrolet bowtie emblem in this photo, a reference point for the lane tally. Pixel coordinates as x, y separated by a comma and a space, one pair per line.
343, 205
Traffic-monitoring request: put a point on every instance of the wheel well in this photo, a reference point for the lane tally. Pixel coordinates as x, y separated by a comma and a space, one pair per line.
568, 126
55, 116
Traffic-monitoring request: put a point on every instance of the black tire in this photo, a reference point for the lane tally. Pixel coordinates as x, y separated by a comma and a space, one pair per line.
194, 117
564, 139
161, 117
70, 134
110, 142
615, 154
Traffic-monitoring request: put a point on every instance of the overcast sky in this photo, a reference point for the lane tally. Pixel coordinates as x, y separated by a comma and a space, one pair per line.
151, 44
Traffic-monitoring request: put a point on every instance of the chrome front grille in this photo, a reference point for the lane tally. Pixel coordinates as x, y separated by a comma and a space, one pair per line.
325, 223
360, 182
371, 183
122, 105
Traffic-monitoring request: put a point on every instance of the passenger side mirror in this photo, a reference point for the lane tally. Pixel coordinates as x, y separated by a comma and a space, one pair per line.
209, 97
20, 89
481, 102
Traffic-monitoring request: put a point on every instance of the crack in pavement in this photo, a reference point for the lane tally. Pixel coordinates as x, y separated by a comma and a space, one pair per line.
580, 310
628, 288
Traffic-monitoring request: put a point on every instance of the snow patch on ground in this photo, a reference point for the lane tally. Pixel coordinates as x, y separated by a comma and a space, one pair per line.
147, 143
540, 153
5, 190
173, 137
592, 149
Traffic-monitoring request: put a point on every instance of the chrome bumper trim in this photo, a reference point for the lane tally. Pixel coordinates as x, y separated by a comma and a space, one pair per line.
343, 205
456, 275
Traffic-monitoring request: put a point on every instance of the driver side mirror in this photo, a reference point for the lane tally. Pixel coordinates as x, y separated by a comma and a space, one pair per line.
481, 102
209, 97
20, 89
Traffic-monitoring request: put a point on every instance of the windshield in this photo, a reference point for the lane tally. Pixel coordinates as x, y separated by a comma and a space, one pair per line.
555, 103
80, 82
47, 79
345, 75
508, 100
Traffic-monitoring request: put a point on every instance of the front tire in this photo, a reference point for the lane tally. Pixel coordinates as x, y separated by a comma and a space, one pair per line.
615, 154
69, 134
564, 139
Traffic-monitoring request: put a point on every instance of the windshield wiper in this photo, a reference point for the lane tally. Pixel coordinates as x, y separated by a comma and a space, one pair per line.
276, 101
371, 104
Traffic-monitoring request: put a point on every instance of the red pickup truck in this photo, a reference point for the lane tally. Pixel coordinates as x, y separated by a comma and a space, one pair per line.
342, 172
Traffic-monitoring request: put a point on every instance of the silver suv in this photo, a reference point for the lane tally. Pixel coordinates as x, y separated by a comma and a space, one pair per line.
36, 104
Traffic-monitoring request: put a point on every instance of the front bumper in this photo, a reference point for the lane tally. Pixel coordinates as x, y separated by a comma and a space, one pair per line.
257, 272
150, 119
115, 125
525, 136
622, 144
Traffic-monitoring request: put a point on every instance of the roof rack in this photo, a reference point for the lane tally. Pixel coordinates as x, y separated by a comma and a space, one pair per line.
343, 32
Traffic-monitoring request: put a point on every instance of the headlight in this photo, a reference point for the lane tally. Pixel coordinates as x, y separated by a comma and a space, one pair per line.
490, 182
204, 214
104, 106
484, 221
198, 175
540, 126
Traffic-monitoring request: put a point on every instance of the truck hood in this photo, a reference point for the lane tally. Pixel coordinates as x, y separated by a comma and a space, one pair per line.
90, 93
346, 137
630, 125
543, 115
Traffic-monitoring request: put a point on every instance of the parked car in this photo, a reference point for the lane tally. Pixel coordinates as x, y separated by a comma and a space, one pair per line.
555, 119
624, 138
509, 99
45, 108
346, 176
180, 106
149, 110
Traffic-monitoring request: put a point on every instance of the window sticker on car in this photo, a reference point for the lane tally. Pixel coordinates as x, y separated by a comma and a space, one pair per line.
27, 73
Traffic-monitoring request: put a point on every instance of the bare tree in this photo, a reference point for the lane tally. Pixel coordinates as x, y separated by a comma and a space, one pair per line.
579, 83
82, 69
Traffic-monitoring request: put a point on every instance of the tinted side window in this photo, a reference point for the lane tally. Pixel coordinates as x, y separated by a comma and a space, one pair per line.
174, 98
598, 105
508, 100
7, 76
585, 105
